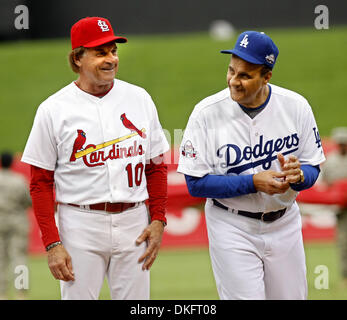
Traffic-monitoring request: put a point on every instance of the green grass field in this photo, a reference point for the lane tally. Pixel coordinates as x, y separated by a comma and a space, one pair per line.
186, 274
178, 70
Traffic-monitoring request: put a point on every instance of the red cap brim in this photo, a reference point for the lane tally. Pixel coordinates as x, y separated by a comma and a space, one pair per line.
104, 40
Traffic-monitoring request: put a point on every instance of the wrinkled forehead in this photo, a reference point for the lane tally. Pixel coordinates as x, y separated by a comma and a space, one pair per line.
104, 47
236, 63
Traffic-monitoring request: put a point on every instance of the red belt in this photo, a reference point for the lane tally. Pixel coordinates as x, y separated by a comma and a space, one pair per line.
116, 207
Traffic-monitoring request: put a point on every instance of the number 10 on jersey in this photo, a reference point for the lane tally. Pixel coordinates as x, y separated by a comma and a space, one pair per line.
134, 175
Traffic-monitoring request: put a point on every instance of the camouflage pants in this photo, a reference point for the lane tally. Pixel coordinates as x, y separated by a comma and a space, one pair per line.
342, 241
13, 252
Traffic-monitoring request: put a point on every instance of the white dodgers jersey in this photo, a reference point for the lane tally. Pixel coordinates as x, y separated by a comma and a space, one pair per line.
97, 147
221, 139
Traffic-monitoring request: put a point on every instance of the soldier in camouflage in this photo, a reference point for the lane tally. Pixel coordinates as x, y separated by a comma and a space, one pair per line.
14, 202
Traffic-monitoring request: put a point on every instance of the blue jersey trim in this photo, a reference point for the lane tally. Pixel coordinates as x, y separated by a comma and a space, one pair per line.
261, 106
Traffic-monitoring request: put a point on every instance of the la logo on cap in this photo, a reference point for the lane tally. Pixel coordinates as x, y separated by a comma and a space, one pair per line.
244, 42
103, 26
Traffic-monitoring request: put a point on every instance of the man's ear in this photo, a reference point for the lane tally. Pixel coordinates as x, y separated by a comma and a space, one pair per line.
267, 77
77, 61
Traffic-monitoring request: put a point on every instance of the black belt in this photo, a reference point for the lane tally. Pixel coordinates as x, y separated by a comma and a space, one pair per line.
263, 216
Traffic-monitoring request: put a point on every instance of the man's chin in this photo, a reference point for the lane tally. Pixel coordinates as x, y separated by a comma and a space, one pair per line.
236, 96
107, 81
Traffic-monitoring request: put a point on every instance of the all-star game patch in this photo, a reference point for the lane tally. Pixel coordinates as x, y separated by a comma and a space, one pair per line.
188, 150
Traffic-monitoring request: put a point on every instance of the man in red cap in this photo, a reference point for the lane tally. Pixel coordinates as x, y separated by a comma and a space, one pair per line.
102, 170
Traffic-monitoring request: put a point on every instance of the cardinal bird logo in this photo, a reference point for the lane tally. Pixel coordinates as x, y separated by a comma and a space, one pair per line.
128, 124
78, 144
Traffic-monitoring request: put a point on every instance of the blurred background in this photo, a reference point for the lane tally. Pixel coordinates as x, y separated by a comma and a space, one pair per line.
173, 52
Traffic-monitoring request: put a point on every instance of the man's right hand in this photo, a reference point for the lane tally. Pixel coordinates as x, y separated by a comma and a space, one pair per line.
59, 262
270, 182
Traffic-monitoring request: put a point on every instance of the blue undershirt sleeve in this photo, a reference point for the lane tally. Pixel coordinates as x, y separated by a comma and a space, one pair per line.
214, 186
218, 187
311, 174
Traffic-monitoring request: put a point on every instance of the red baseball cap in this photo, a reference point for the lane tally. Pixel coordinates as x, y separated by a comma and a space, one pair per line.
92, 32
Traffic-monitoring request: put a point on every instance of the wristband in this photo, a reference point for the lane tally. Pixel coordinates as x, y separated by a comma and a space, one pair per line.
162, 222
52, 245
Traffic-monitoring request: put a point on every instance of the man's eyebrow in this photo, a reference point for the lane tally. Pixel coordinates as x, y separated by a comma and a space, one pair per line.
102, 48
243, 73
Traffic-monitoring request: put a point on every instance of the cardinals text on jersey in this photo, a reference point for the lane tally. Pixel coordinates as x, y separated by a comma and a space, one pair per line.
97, 157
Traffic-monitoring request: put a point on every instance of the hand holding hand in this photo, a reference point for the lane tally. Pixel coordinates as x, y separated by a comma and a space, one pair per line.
270, 182
291, 168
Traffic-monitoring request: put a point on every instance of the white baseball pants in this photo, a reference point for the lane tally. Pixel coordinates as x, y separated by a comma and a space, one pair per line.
102, 244
255, 260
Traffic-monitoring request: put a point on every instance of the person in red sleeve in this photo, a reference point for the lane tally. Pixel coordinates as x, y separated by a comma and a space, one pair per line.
100, 172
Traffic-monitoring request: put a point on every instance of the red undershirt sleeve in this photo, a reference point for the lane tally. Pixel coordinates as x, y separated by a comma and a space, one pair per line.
42, 195
156, 176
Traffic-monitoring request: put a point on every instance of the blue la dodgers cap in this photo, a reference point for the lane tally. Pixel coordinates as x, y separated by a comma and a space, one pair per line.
255, 47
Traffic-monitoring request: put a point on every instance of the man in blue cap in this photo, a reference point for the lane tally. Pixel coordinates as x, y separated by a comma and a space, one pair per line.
249, 149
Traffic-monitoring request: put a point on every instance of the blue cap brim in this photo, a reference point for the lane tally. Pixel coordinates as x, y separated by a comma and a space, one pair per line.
243, 56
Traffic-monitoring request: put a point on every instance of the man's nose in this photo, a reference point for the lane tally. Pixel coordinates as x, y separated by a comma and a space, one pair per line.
234, 81
112, 58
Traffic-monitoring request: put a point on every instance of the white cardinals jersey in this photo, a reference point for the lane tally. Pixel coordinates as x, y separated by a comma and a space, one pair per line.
221, 139
97, 147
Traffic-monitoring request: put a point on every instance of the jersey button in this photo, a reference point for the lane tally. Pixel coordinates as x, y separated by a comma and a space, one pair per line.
256, 134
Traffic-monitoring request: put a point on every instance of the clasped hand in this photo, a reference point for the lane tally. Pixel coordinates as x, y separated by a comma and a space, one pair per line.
273, 182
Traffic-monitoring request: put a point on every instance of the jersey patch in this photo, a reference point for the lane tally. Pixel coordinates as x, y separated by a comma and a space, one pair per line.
188, 150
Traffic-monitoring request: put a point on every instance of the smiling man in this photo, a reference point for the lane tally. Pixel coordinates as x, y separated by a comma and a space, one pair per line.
249, 149
100, 142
